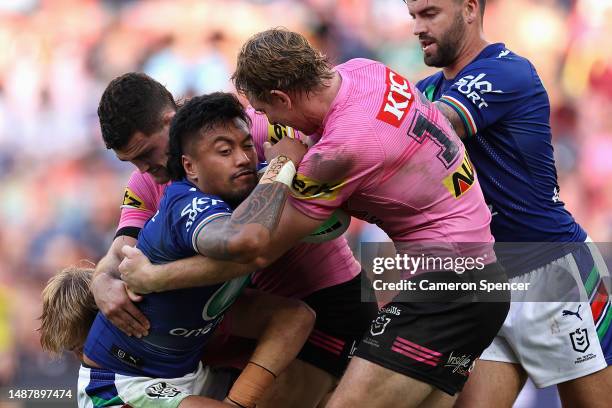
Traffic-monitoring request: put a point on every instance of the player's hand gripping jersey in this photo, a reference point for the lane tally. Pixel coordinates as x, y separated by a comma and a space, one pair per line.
389, 157
182, 321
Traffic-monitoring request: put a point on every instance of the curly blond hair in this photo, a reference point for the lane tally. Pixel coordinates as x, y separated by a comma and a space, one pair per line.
279, 59
69, 310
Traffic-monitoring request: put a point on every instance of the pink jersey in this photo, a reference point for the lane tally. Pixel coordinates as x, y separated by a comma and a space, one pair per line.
387, 156
304, 269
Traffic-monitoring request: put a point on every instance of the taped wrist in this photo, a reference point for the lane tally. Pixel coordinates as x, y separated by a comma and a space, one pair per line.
251, 385
280, 169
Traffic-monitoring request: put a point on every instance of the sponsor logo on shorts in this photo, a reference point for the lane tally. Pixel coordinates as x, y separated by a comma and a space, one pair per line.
570, 313
462, 179
394, 310
306, 188
379, 325
276, 132
397, 100
162, 390
131, 200
580, 340
461, 364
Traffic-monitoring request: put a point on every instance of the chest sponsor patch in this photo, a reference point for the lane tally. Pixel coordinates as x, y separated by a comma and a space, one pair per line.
305, 188
462, 179
397, 99
277, 132
131, 200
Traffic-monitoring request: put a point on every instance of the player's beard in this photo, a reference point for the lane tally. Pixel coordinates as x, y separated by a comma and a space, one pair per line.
448, 46
235, 197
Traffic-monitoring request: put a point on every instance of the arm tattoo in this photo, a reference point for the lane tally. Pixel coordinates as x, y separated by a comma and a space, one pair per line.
263, 206
453, 118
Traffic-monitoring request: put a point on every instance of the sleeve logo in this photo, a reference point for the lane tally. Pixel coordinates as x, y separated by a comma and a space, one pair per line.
277, 132
473, 87
131, 200
397, 99
195, 207
305, 188
462, 179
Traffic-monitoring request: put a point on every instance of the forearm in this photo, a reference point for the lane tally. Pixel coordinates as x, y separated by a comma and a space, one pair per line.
247, 233
109, 264
197, 271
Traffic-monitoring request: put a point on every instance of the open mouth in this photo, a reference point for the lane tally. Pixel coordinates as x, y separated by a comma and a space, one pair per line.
426, 45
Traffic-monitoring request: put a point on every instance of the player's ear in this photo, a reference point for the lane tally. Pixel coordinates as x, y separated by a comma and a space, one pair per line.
167, 117
471, 11
189, 166
281, 98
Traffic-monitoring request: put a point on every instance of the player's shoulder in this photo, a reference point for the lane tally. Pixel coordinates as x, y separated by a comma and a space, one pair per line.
497, 60
429, 81
357, 63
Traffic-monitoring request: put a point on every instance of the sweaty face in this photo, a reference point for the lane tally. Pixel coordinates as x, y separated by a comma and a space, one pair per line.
223, 162
440, 26
149, 153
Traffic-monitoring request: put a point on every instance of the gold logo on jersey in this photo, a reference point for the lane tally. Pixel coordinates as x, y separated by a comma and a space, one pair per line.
305, 188
131, 200
277, 132
462, 179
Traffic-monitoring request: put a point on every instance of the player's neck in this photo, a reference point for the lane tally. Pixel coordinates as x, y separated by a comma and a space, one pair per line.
469, 50
325, 97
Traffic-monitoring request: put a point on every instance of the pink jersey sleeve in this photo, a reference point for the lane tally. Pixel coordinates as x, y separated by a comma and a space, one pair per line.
263, 131
345, 159
140, 200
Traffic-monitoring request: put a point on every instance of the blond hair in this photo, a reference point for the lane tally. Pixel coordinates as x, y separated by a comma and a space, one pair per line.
69, 309
279, 59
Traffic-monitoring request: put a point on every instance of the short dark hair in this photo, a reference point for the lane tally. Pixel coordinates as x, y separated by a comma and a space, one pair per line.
483, 4
198, 115
130, 103
279, 59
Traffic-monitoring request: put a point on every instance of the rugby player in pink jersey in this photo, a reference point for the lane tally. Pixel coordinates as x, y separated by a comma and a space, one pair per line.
135, 113
384, 154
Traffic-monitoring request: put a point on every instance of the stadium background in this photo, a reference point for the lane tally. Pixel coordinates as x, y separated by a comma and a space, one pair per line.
61, 189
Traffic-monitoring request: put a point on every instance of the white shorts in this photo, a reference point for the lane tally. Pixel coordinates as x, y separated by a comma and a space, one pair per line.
99, 387
557, 341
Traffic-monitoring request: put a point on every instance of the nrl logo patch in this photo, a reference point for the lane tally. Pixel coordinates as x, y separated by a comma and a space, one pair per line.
162, 390
580, 340
379, 325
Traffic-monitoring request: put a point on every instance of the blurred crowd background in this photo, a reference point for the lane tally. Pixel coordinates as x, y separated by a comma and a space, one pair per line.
61, 189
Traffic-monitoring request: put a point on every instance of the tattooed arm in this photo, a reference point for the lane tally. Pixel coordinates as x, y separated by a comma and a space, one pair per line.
453, 118
241, 237
245, 235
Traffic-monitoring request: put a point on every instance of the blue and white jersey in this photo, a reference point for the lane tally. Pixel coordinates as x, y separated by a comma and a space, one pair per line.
182, 321
505, 110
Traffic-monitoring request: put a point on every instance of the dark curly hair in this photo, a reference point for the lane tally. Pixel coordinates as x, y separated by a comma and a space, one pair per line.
198, 115
130, 103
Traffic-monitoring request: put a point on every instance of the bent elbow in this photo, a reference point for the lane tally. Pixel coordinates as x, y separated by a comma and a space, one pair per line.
252, 241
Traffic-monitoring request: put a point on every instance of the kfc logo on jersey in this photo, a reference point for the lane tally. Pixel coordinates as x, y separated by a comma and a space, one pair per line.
397, 99
473, 87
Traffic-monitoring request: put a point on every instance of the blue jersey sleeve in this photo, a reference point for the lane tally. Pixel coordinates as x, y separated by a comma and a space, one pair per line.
194, 212
491, 89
